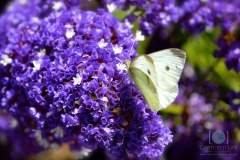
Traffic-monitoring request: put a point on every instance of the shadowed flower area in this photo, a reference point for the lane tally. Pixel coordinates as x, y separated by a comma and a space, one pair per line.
63, 80
229, 44
198, 120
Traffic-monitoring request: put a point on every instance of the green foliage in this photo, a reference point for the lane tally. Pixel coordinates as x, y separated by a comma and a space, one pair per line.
121, 15
200, 51
173, 109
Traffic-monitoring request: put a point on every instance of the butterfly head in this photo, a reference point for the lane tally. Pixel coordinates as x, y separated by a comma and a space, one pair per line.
128, 63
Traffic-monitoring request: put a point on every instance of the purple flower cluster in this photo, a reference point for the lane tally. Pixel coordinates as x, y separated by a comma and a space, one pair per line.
229, 48
198, 15
152, 13
225, 13
62, 79
193, 15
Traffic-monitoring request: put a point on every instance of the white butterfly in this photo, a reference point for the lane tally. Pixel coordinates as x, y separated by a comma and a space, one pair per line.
156, 76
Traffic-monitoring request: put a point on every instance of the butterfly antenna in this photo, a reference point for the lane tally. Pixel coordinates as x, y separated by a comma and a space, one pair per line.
132, 46
131, 92
121, 62
130, 53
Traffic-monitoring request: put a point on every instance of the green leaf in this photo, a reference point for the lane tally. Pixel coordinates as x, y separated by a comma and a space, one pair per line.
121, 14
143, 46
200, 51
173, 109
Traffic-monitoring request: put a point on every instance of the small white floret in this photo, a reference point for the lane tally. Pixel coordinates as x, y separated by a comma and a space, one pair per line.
57, 5
70, 33
104, 99
102, 43
5, 60
58, 131
121, 66
127, 23
139, 36
117, 49
37, 65
42, 52
77, 79
111, 7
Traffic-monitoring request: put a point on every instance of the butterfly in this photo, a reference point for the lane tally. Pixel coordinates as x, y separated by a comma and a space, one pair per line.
156, 75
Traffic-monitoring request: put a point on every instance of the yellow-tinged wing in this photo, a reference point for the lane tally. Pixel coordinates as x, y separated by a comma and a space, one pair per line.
156, 76
146, 87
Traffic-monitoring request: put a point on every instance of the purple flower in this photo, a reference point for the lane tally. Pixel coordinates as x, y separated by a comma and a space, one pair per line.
229, 48
153, 14
64, 73
234, 99
193, 15
226, 13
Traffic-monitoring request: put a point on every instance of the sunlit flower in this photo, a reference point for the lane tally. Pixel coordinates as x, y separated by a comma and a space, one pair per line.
77, 92
57, 5
70, 33
77, 79
139, 36
5, 60
117, 49
102, 44
111, 7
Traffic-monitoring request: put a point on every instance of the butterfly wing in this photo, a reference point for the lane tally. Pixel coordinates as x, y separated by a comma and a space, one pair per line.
168, 64
146, 87
156, 76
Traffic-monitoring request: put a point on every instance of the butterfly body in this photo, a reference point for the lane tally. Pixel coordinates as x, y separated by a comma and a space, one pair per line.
156, 75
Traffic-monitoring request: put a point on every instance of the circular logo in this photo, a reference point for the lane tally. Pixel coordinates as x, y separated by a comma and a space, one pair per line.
218, 137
